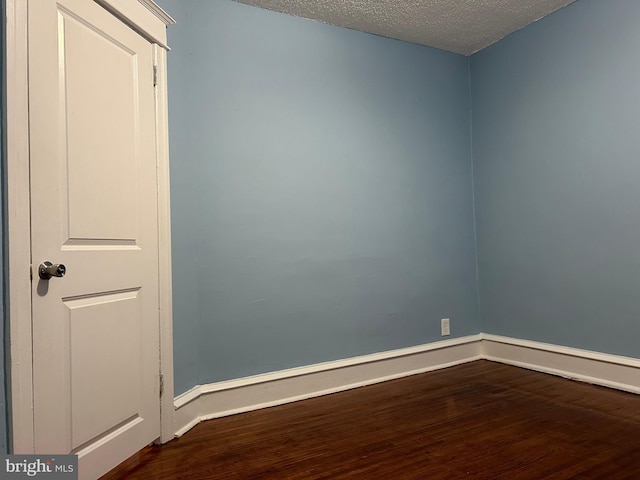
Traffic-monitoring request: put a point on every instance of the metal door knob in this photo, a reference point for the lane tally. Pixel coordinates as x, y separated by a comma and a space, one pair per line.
46, 270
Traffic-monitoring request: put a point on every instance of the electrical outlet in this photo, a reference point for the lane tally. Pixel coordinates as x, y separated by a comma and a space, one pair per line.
444, 326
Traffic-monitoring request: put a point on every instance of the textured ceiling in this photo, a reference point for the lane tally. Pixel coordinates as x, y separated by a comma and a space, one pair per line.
461, 26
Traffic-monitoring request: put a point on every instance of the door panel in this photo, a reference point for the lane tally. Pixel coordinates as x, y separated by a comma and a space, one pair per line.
94, 209
99, 326
107, 178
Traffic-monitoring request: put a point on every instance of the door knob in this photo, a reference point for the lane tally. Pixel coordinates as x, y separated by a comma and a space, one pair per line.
46, 270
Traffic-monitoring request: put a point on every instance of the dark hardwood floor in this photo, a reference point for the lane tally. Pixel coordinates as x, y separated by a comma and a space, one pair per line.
479, 420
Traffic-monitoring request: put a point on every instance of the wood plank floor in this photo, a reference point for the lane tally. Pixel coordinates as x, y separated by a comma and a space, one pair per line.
480, 420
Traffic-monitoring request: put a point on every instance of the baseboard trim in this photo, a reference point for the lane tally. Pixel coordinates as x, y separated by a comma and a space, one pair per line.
215, 400
613, 371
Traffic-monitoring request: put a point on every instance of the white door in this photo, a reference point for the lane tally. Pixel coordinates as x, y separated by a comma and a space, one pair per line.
94, 210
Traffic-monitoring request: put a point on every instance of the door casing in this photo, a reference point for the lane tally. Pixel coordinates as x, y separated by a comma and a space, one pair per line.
149, 20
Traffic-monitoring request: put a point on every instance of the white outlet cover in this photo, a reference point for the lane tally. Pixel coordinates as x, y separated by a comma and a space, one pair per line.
445, 327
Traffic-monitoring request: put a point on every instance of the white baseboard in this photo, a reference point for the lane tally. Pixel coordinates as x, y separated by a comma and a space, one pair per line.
205, 402
613, 371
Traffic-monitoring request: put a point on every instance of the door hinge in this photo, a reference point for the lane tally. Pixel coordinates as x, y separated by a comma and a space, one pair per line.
161, 384
155, 75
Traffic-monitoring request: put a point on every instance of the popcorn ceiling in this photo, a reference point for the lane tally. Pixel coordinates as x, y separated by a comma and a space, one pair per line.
461, 26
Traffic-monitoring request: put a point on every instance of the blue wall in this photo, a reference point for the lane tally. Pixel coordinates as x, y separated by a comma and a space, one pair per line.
321, 192
556, 146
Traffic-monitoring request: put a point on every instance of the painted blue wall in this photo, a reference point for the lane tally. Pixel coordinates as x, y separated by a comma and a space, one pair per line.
556, 149
321, 192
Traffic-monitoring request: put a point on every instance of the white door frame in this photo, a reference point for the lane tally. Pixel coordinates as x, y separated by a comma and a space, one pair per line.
18, 236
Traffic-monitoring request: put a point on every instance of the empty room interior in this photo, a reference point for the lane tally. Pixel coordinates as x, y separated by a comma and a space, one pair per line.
437, 224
